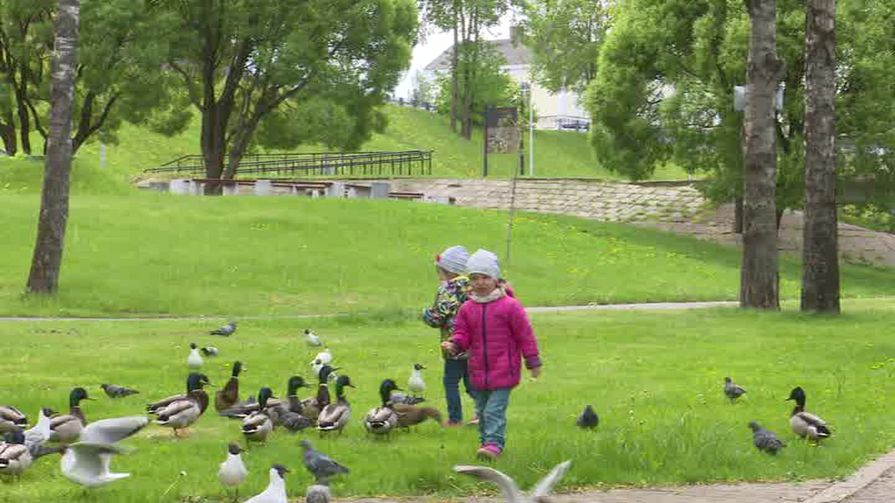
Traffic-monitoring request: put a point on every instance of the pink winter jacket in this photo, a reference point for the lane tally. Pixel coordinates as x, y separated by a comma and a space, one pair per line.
497, 335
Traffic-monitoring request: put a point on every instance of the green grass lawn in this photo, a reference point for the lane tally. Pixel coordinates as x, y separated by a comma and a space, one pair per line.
151, 253
654, 378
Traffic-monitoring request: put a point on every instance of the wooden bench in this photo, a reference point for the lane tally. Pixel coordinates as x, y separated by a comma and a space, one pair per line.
410, 196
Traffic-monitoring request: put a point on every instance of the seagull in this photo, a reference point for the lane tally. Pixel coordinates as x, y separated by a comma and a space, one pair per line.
733, 391
318, 493
312, 339
233, 471
194, 360
36, 437
226, 330
416, 384
321, 466
276, 489
588, 418
765, 440
115, 391
324, 357
86, 462
209, 351
511, 492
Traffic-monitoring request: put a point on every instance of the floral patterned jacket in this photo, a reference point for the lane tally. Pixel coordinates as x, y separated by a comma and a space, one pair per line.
448, 299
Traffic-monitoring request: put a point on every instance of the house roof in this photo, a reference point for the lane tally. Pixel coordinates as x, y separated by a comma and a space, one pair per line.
514, 54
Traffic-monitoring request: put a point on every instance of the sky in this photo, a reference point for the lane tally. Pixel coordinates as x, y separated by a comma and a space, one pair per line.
437, 42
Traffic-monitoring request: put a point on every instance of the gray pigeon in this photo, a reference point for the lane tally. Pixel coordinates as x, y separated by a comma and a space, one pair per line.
588, 418
226, 330
115, 391
318, 493
765, 440
732, 390
321, 466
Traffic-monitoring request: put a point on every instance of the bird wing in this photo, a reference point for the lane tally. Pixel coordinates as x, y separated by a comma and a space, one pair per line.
109, 431
506, 484
546, 484
811, 419
11, 413
12, 451
175, 408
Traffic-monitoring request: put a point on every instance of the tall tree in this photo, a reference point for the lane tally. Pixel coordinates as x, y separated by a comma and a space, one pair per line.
759, 278
242, 61
820, 260
44, 276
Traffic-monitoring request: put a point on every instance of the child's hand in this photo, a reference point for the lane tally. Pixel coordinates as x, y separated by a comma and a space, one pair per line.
449, 346
535, 372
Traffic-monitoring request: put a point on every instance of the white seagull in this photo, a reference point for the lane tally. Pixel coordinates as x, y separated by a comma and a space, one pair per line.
311, 338
276, 489
416, 384
508, 487
194, 360
233, 471
86, 462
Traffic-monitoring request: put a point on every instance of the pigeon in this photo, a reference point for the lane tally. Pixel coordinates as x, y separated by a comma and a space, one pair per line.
276, 489
194, 360
86, 462
209, 351
765, 440
588, 418
226, 330
400, 398
508, 487
233, 471
312, 339
115, 391
321, 466
733, 391
416, 384
318, 493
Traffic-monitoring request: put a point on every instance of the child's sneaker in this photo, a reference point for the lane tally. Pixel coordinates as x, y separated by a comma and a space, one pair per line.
489, 452
473, 422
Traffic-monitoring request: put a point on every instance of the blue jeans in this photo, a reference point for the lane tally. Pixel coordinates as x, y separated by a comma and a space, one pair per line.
491, 407
454, 371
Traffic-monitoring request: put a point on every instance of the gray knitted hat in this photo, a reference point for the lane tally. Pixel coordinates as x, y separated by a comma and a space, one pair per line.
453, 259
483, 262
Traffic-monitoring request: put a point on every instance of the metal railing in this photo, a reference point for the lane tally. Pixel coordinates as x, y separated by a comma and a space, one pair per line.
402, 163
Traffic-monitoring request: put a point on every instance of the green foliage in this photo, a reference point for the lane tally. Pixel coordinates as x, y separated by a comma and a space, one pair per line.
490, 86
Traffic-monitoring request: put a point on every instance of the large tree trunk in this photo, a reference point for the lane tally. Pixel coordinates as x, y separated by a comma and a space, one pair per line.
455, 77
759, 280
820, 260
213, 148
8, 134
44, 277
22, 112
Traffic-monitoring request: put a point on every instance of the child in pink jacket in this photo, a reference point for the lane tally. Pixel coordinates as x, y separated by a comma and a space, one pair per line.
494, 330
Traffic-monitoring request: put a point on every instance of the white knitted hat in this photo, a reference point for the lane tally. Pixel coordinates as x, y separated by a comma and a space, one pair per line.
483, 262
453, 259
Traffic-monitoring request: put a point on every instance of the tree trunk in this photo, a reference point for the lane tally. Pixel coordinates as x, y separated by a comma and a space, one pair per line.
820, 260
738, 215
759, 280
213, 148
8, 134
455, 77
44, 276
24, 119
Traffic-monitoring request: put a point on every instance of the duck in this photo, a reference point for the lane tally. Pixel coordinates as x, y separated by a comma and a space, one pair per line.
398, 397
65, 428
336, 415
114, 391
588, 418
233, 471
383, 419
181, 413
228, 396
416, 384
191, 382
11, 419
733, 391
87, 461
411, 415
287, 414
311, 407
15, 457
258, 425
292, 401
805, 424
511, 492
194, 360
226, 330
312, 339
276, 488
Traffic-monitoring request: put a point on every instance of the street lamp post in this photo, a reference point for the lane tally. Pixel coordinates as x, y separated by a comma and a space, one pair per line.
527, 89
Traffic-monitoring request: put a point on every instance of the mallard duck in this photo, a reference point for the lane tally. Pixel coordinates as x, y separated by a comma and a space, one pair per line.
416, 384
765, 440
383, 419
233, 471
508, 487
14, 455
283, 413
194, 360
311, 407
87, 461
321, 466
226, 330
588, 418
411, 415
276, 488
192, 380
311, 338
398, 397
66, 428
293, 402
115, 391
336, 415
11, 418
805, 424
228, 396
181, 413
732, 391
258, 425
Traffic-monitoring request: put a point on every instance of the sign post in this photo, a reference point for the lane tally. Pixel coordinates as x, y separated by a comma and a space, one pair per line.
501, 132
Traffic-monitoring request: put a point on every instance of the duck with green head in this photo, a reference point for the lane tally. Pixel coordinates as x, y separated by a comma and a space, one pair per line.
181, 413
383, 419
258, 425
806, 424
66, 428
311, 407
336, 415
287, 414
